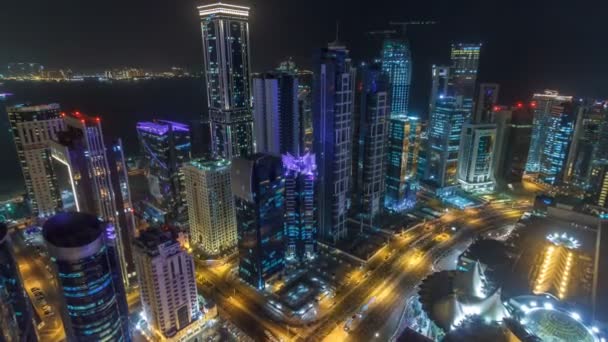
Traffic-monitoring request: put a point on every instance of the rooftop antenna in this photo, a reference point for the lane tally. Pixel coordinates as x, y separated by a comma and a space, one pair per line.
404, 24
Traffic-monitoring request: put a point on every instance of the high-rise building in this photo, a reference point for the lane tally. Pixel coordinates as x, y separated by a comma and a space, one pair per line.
486, 100
86, 262
599, 183
513, 133
372, 112
166, 146
300, 209
276, 116
397, 64
258, 186
556, 147
444, 136
305, 79
16, 320
168, 287
586, 146
463, 72
543, 107
210, 205
91, 173
440, 79
404, 142
33, 127
333, 99
475, 165
225, 29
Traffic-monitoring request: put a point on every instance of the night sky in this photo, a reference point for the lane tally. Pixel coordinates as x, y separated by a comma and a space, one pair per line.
528, 45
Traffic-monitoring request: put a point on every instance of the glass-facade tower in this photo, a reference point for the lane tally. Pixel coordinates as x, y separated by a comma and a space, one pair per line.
397, 64
404, 142
85, 259
554, 155
166, 146
225, 30
333, 100
258, 186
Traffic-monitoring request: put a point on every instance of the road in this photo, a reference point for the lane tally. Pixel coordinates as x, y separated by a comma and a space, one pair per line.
390, 278
34, 273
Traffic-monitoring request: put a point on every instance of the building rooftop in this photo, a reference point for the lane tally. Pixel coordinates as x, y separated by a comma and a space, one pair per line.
150, 240
72, 229
209, 164
161, 127
21, 108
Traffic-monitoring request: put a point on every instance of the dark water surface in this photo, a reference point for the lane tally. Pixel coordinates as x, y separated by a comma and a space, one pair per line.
119, 104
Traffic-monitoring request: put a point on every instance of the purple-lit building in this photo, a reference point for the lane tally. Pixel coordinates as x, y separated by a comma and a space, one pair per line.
300, 211
166, 147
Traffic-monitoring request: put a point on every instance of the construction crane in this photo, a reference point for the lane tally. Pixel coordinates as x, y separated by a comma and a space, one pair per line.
403, 25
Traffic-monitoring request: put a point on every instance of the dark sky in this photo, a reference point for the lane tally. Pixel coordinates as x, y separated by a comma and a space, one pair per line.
528, 45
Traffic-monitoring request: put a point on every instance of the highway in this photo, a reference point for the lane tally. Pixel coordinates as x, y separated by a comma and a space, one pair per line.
390, 278
34, 273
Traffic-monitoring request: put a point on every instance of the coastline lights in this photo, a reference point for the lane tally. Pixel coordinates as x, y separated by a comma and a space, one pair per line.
222, 8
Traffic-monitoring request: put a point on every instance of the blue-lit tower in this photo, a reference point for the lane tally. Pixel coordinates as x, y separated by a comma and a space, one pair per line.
300, 210
444, 140
560, 129
404, 142
16, 320
225, 29
333, 99
397, 64
166, 146
84, 253
463, 72
258, 186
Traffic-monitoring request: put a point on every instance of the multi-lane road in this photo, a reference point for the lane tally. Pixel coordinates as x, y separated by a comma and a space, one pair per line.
385, 284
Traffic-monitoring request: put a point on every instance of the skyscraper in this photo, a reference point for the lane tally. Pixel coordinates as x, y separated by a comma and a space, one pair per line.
258, 186
168, 287
300, 209
444, 136
556, 147
463, 72
91, 172
276, 115
372, 112
397, 64
333, 100
84, 255
166, 147
225, 29
305, 79
16, 320
475, 166
586, 144
440, 79
487, 98
543, 106
33, 127
404, 142
210, 205
513, 133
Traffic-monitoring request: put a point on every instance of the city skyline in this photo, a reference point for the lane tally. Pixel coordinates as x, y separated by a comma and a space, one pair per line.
330, 200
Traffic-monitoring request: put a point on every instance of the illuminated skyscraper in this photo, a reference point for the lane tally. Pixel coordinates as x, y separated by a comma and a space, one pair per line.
168, 287
586, 144
33, 127
333, 99
166, 147
276, 113
91, 173
543, 107
305, 79
397, 64
486, 100
372, 112
440, 79
300, 210
16, 319
225, 29
85, 258
210, 205
404, 142
599, 182
513, 133
556, 147
475, 165
463, 72
258, 186
444, 136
